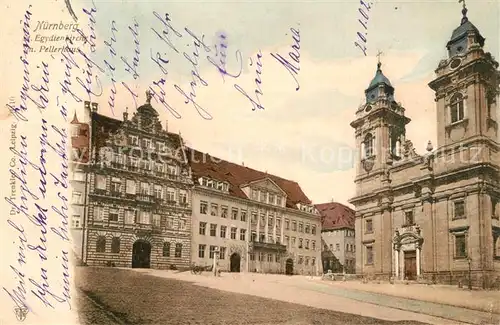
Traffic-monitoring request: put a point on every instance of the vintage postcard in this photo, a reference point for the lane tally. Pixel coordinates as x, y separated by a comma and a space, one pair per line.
250, 162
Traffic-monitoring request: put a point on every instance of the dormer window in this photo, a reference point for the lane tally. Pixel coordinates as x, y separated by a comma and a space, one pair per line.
263, 196
210, 183
271, 198
225, 187
457, 107
255, 194
219, 186
278, 200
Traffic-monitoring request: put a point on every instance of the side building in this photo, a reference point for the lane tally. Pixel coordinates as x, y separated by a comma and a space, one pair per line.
80, 142
338, 237
257, 222
139, 193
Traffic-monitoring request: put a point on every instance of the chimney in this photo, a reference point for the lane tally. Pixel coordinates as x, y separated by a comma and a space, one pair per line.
125, 114
166, 125
243, 163
94, 107
87, 104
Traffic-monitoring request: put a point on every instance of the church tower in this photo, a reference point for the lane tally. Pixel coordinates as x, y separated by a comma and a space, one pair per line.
466, 88
380, 128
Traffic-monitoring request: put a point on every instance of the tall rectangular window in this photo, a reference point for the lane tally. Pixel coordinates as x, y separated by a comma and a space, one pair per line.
203, 227
201, 251
113, 215
460, 246
459, 210
368, 226
130, 187
203, 207
77, 198
369, 255
409, 219
213, 229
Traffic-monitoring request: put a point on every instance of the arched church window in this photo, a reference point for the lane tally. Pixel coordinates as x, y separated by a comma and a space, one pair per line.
457, 107
368, 145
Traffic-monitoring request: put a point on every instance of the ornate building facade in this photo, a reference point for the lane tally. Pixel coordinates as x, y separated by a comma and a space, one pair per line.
256, 221
434, 216
338, 238
138, 205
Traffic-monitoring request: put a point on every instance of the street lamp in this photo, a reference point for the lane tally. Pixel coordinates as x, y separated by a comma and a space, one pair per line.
469, 261
216, 257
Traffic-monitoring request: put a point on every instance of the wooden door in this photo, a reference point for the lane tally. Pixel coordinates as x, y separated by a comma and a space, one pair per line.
411, 265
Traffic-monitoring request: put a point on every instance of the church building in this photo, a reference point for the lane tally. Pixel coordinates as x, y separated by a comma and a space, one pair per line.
432, 217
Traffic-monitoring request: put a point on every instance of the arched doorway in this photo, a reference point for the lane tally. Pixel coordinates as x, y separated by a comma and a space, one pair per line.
141, 254
289, 267
235, 260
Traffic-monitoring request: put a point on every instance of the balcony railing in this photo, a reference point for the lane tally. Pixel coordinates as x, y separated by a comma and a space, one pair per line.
99, 191
269, 246
146, 198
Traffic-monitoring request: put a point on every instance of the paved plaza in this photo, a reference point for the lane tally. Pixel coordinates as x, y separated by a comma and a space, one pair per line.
145, 296
429, 304
123, 296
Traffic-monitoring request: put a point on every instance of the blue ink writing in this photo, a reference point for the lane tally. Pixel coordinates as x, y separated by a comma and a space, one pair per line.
111, 68
89, 74
292, 67
165, 33
258, 81
160, 97
221, 51
195, 76
92, 38
69, 63
132, 68
43, 89
364, 22
159, 61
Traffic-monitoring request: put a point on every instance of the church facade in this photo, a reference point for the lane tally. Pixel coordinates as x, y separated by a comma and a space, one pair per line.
432, 217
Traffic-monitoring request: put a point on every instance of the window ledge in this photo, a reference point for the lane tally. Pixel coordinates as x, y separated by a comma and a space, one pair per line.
462, 123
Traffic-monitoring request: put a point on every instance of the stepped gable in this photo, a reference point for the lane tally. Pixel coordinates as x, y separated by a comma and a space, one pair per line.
238, 175
335, 216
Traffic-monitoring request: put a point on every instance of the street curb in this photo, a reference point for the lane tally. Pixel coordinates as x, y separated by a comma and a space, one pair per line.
483, 310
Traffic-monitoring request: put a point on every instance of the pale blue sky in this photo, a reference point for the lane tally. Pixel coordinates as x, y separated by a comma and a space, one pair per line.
296, 128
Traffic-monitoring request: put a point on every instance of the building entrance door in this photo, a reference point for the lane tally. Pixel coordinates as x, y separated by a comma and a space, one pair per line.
411, 265
289, 267
141, 254
235, 262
